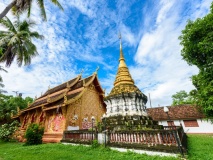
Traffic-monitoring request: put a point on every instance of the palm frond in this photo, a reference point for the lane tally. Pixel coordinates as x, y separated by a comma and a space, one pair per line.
36, 35
31, 23
8, 56
2, 69
1, 85
2, 91
22, 5
14, 40
42, 9
7, 24
18, 45
29, 8
4, 33
23, 26
57, 4
4, 40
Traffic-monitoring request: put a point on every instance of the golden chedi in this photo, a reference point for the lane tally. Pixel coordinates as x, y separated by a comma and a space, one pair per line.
125, 98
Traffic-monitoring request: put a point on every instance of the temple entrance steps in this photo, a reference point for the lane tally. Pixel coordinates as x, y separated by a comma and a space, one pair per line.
52, 137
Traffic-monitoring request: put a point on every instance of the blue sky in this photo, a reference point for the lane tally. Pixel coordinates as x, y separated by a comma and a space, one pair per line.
85, 36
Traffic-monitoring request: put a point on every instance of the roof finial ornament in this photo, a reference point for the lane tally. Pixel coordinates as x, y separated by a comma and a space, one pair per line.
82, 71
49, 87
119, 36
121, 52
96, 71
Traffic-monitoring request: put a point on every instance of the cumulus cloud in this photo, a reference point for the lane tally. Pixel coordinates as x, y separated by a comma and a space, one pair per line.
160, 69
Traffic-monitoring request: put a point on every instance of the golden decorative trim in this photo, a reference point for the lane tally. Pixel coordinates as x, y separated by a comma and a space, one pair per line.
72, 84
75, 98
48, 98
124, 88
91, 87
65, 98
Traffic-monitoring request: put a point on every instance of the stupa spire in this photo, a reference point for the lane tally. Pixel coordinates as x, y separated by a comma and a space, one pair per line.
123, 76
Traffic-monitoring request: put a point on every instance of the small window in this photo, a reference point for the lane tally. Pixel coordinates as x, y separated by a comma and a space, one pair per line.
191, 123
170, 123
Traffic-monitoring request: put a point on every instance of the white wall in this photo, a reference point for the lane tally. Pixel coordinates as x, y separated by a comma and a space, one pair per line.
204, 126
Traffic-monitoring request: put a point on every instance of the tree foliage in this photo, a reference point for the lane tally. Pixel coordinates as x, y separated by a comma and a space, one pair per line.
19, 6
16, 41
197, 42
7, 130
182, 97
1, 79
9, 106
34, 134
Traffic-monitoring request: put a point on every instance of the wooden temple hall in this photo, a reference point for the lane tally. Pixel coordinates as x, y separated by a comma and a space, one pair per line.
69, 106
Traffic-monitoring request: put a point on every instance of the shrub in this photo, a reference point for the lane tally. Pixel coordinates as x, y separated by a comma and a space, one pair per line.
95, 144
7, 130
34, 134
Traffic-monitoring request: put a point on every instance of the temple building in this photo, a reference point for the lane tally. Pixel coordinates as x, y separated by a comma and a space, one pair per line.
69, 106
126, 104
126, 123
125, 98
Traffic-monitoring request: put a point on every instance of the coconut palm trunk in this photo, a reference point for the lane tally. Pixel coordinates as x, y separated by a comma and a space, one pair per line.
7, 9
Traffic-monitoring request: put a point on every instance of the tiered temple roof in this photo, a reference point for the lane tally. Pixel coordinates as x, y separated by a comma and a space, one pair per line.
64, 93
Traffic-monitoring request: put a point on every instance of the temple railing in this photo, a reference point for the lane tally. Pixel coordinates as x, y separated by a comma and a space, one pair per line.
79, 136
145, 137
170, 139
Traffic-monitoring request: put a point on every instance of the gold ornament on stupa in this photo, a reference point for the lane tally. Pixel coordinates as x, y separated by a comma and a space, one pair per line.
123, 82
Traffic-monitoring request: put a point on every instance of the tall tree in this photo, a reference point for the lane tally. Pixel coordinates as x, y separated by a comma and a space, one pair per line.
1, 81
16, 41
197, 42
9, 105
19, 6
182, 97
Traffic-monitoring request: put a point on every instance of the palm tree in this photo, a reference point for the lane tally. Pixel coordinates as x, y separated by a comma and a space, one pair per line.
1, 80
19, 6
16, 41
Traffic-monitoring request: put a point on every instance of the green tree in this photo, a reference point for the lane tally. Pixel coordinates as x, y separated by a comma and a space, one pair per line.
20, 6
7, 130
197, 42
1, 81
9, 105
16, 41
182, 97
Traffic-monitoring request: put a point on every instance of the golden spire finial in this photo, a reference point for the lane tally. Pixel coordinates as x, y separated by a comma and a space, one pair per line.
123, 76
96, 71
119, 36
82, 71
121, 52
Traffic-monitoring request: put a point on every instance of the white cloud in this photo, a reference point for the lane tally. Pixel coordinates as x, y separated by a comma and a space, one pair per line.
160, 69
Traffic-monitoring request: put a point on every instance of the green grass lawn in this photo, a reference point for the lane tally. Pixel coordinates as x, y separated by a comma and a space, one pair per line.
200, 148
16, 151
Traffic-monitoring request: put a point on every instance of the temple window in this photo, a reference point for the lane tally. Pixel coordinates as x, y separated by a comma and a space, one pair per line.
170, 123
191, 123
